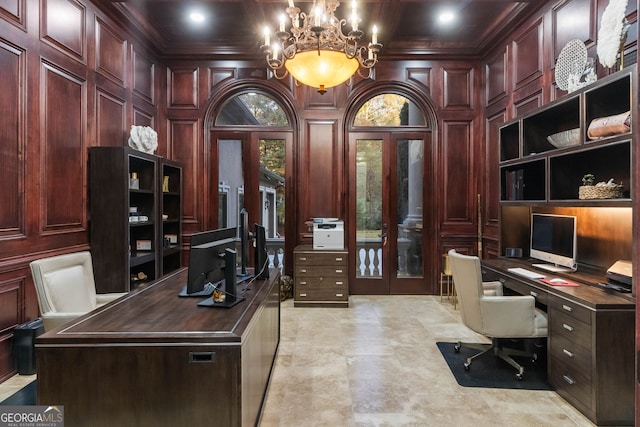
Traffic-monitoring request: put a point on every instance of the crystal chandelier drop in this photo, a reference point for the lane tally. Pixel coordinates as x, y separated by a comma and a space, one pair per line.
315, 51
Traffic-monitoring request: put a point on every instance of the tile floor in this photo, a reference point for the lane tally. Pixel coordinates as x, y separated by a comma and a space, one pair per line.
376, 363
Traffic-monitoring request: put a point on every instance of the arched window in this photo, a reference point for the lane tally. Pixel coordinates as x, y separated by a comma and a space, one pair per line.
251, 109
389, 110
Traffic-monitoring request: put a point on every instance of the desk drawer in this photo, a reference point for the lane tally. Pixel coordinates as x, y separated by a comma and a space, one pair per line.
524, 289
321, 282
571, 309
332, 271
571, 353
568, 380
572, 329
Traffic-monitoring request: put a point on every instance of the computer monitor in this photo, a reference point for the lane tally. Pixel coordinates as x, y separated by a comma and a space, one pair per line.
228, 285
207, 261
245, 239
261, 258
554, 240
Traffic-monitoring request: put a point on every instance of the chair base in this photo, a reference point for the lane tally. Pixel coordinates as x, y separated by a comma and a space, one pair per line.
498, 350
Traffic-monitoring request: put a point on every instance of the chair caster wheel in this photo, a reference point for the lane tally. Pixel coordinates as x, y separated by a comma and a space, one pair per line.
519, 376
456, 348
467, 366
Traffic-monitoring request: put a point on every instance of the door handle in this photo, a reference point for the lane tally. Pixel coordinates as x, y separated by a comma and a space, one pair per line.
384, 238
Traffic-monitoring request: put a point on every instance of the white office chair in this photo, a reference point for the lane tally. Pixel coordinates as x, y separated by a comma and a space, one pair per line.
65, 288
495, 316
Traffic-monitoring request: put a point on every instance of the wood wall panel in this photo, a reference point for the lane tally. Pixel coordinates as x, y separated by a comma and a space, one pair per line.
13, 11
143, 76
496, 75
183, 88
111, 53
185, 149
573, 19
458, 88
63, 161
422, 76
10, 302
110, 120
63, 26
525, 105
491, 211
12, 140
528, 55
220, 75
459, 191
142, 118
323, 167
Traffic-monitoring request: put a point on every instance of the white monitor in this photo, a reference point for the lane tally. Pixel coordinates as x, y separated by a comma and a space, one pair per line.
553, 240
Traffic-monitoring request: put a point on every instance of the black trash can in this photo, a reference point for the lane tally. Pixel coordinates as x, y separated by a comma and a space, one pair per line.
24, 338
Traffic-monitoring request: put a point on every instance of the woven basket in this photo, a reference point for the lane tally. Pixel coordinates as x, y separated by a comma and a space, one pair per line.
586, 192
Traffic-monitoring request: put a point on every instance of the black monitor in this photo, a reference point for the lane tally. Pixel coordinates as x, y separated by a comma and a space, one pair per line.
245, 238
207, 261
228, 285
261, 258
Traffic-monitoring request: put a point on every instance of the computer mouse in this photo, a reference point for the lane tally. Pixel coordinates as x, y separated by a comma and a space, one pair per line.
558, 280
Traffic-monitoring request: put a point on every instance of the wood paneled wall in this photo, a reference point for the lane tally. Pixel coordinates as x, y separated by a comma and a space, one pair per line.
71, 79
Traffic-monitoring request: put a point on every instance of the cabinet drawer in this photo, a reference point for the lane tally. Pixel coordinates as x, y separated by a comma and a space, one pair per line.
324, 281
321, 295
571, 309
319, 258
524, 289
320, 273
570, 382
572, 329
571, 353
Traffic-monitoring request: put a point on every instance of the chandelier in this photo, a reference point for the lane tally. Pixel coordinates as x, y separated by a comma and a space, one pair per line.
315, 51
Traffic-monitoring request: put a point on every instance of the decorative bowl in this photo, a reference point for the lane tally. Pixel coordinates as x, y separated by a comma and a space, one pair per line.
567, 138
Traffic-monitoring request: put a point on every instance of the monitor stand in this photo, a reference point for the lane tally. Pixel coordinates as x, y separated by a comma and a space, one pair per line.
207, 291
231, 297
553, 268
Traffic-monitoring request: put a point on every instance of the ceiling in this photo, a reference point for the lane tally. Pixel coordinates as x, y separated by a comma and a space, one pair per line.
233, 28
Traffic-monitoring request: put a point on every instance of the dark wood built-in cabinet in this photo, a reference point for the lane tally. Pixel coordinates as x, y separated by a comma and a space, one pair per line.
591, 329
135, 217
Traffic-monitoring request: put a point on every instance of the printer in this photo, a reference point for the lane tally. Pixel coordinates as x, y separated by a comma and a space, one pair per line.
328, 233
619, 276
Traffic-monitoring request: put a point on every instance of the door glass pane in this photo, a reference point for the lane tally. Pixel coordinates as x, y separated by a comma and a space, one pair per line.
231, 177
272, 173
410, 211
368, 208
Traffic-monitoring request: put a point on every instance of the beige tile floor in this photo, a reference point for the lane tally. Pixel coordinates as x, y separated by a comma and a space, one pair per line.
376, 364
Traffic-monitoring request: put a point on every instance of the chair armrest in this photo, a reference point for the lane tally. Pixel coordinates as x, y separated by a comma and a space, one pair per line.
102, 299
493, 288
53, 320
508, 316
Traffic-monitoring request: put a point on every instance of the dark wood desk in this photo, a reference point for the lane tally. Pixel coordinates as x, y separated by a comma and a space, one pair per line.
590, 348
154, 359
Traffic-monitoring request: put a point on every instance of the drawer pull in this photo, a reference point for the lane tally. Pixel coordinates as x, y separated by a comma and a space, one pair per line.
303, 295
567, 327
567, 308
302, 270
339, 259
338, 295
303, 283
338, 271
568, 379
533, 294
567, 352
302, 258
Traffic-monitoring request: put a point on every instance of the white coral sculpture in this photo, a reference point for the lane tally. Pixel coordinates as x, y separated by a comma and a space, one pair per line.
143, 138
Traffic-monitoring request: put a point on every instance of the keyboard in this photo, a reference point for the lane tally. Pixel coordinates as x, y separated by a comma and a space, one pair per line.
526, 273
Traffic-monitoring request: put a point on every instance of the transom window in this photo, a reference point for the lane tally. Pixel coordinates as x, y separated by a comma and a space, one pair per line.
389, 110
251, 109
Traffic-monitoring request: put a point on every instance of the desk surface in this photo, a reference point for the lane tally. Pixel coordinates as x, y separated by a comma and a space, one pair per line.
587, 294
155, 313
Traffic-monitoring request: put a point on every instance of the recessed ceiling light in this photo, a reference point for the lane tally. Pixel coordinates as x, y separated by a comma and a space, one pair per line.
196, 17
446, 17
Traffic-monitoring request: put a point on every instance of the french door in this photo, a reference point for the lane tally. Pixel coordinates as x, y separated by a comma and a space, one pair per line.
388, 193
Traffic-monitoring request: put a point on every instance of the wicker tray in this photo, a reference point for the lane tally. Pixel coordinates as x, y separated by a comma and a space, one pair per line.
586, 192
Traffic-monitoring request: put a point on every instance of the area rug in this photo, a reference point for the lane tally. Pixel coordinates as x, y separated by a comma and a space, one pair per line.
23, 397
489, 371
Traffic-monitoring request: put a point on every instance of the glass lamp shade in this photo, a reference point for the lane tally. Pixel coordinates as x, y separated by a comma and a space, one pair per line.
322, 69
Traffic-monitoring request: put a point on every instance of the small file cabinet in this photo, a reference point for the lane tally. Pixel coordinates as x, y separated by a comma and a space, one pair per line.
321, 277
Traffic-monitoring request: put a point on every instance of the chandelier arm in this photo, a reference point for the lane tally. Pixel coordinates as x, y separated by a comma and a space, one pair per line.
275, 73
369, 74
